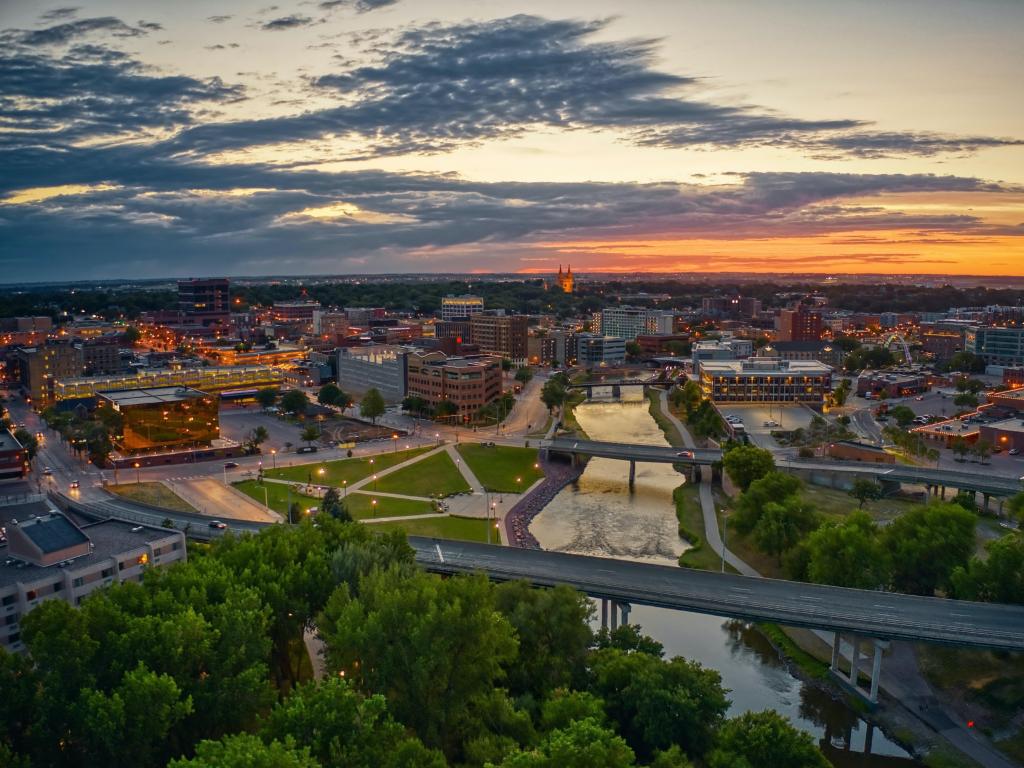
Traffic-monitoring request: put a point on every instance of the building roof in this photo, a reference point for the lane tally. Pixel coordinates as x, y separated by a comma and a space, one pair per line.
8, 441
860, 446
52, 533
766, 366
109, 538
799, 346
1015, 424
151, 395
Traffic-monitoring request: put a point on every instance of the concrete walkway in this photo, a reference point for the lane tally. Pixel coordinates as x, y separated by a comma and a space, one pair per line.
211, 497
464, 469
909, 688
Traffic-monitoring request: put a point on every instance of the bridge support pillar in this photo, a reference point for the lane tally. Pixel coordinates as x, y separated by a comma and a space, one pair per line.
852, 680
615, 615
632, 473
943, 492
616, 391
625, 613
985, 499
876, 672
854, 660
836, 640
604, 613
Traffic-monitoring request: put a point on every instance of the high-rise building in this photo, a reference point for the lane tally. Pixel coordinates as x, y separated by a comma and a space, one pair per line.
378, 366
624, 322
996, 345
500, 335
40, 367
205, 301
798, 325
455, 307
566, 281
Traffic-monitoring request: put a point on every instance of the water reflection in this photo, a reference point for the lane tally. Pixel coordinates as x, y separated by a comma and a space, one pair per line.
599, 515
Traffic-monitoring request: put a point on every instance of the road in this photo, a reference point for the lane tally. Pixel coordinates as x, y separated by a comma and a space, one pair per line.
882, 615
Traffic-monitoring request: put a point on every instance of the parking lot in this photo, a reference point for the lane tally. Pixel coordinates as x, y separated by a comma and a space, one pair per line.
755, 416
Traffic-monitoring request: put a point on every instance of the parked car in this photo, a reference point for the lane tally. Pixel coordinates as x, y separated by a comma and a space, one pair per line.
218, 525
48, 471
74, 485
230, 464
306, 449
1013, 451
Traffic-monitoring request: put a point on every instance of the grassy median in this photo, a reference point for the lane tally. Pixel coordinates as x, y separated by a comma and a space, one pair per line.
461, 528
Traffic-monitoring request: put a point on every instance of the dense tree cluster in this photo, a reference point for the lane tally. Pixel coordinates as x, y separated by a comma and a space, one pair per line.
201, 665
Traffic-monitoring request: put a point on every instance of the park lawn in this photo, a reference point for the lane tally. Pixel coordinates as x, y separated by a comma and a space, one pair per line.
338, 471
667, 427
155, 494
360, 506
834, 504
691, 528
498, 467
461, 528
435, 475
276, 495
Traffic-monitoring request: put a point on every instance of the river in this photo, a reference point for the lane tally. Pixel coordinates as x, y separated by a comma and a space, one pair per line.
599, 515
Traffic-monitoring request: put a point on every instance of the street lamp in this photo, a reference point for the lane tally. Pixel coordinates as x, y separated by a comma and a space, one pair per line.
374, 483
373, 503
344, 485
395, 438
725, 534
437, 436
137, 478
273, 456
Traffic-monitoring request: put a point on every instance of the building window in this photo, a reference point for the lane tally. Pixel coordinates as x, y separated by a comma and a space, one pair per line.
77, 582
9, 599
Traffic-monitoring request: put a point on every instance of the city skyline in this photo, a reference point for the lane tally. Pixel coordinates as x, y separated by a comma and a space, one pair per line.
142, 141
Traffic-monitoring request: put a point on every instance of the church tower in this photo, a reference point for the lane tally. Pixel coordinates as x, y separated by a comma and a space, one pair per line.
565, 279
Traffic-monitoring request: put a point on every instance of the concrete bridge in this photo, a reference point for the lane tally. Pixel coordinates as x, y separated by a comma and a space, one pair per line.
616, 386
839, 473
860, 617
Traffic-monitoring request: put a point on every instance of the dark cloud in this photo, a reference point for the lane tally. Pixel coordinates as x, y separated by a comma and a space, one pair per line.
60, 13
93, 91
60, 34
287, 22
362, 6
218, 19
436, 87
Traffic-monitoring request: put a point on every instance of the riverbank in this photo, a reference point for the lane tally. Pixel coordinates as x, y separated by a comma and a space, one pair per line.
557, 475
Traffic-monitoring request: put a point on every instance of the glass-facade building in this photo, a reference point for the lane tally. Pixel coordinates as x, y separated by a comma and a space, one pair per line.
163, 418
996, 345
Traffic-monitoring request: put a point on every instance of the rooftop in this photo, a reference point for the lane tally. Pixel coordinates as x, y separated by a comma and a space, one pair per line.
151, 396
766, 366
1015, 424
52, 532
109, 538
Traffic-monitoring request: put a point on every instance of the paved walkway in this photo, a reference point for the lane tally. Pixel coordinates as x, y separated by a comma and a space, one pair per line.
211, 497
464, 469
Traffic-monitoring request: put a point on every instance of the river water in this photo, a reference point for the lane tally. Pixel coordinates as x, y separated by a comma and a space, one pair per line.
599, 515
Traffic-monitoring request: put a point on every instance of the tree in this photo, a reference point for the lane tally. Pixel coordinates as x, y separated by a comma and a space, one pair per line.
28, 441
524, 374
961, 448
257, 437
848, 553
310, 433
339, 726
998, 578
243, 750
926, 545
581, 744
295, 401
633, 350
902, 414
372, 405
966, 362
131, 336
865, 489
333, 505
659, 703
445, 408
841, 392
747, 463
1015, 506
266, 396
773, 487
553, 393
764, 740
435, 647
331, 394
415, 404
966, 400
783, 524
983, 450
553, 633
687, 397
506, 364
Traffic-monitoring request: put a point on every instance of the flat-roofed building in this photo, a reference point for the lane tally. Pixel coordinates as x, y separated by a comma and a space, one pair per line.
996, 345
456, 307
162, 417
40, 368
851, 450
13, 458
594, 350
765, 380
49, 557
893, 383
1005, 435
501, 335
468, 383
205, 378
1009, 400
378, 366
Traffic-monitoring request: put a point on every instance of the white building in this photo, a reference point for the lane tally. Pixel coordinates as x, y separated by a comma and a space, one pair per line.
455, 307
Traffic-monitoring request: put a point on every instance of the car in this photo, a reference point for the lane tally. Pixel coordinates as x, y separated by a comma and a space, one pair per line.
1013, 451
74, 485
218, 525
306, 449
771, 423
685, 454
230, 464
919, 397
48, 471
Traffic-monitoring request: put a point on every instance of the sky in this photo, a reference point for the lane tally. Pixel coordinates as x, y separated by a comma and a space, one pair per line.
143, 139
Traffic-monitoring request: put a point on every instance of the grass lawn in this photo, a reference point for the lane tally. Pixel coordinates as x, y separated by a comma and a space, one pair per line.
497, 468
462, 528
276, 495
431, 476
691, 528
671, 433
834, 504
338, 471
575, 397
157, 494
360, 506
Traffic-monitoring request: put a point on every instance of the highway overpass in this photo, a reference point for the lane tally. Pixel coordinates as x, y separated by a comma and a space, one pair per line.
865, 613
993, 485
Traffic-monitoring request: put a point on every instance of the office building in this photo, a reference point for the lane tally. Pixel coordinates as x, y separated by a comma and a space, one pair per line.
13, 458
624, 322
379, 366
942, 344
564, 346
205, 301
330, 326
294, 311
595, 351
468, 383
740, 307
500, 335
102, 355
456, 307
893, 383
996, 345
162, 418
49, 557
798, 325
225, 380
40, 368
765, 380
822, 351
362, 316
